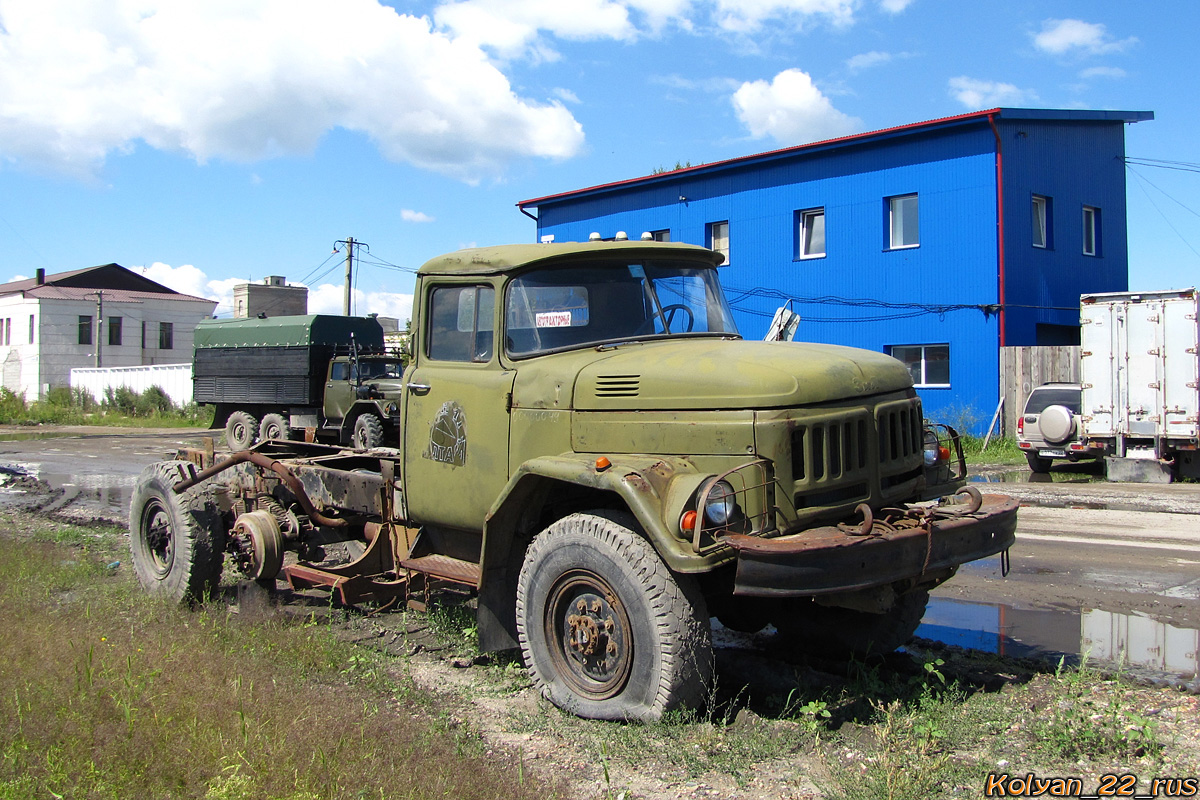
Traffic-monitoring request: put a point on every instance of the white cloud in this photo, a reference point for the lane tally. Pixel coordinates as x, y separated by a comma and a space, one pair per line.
747, 16
509, 27
977, 94
866, 60
894, 6
408, 215
1102, 72
566, 95
791, 110
255, 79
1059, 36
329, 299
192, 280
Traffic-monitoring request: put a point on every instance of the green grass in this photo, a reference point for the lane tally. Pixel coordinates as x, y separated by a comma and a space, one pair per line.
108, 693
999, 450
119, 407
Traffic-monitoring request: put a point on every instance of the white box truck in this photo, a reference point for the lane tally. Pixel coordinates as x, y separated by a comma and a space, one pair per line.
1140, 381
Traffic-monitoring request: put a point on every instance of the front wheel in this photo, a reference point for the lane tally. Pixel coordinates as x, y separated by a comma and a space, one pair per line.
368, 432
607, 631
176, 540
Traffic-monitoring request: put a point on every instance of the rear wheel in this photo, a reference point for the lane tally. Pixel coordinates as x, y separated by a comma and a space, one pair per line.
834, 632
241, 429
176, 540
368, 432
274, 426
607, 631
1038, 464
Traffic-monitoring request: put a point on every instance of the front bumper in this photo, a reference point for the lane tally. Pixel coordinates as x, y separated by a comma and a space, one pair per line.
905, 545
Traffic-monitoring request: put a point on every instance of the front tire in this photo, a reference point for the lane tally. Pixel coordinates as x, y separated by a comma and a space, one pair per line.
606, 630
176, 540
241, 429
833, 632
368, 432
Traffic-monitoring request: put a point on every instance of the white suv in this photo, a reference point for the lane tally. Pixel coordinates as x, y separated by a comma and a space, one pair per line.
1049, 427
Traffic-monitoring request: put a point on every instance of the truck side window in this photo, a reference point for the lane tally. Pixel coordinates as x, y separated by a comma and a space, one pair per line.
461, 323
339, 371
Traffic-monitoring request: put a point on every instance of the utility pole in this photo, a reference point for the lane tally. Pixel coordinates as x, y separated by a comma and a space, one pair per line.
350, 243
99, 318
349, 273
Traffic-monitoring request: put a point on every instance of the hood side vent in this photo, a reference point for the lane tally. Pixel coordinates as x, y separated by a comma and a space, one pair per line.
618, 385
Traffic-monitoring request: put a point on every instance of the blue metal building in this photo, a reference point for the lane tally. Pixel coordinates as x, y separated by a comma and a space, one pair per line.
938, 242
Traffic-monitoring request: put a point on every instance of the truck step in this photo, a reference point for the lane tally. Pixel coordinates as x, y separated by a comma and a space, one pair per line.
444, 568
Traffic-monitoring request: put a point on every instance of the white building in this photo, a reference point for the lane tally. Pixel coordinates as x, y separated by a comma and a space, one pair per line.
104, 316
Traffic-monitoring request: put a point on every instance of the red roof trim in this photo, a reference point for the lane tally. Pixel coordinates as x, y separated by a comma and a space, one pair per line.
1012, 113
769, 154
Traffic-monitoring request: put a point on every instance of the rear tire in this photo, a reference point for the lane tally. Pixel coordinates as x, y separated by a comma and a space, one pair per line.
606, 630
1038, 464
176, 540
832, 632
368, 432
274, 426
241, 429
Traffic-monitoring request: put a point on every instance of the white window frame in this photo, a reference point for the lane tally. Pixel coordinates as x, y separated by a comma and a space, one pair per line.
924, 383
896, 220
1041, 220
807, 224
714, 240
1091, 231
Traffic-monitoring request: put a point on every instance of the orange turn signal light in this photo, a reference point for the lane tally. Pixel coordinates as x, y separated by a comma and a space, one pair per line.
943, 454
687, 523
602, 463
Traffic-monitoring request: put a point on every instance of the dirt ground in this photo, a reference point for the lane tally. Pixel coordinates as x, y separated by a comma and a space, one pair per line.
604, 760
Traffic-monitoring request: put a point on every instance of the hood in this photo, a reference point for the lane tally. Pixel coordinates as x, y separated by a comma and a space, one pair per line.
721, 374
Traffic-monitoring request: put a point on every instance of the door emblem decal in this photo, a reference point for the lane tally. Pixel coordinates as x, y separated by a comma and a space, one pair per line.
448, 435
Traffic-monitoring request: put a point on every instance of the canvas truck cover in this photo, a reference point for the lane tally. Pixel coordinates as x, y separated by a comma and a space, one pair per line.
278, 360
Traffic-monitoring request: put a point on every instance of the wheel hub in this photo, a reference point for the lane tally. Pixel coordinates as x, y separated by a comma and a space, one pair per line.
595, 642
159, 542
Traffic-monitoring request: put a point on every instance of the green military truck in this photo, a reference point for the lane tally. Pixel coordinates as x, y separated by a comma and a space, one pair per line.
315, 377
588, 444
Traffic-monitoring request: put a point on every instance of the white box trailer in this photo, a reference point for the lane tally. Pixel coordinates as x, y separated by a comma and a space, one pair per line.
1141, 382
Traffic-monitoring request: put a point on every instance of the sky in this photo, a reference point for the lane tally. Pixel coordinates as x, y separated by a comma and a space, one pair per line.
208, 143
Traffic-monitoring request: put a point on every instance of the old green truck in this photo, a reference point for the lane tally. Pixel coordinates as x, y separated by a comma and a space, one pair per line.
589, 446
317, 376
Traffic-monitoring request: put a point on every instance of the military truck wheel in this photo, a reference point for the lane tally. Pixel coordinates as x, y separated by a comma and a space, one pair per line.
607, 631
1038, 464
368, 432
274, 426
241, 429
176, 540
829, 632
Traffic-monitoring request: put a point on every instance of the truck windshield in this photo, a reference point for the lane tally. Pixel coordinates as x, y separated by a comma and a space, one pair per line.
559, 308
377, 368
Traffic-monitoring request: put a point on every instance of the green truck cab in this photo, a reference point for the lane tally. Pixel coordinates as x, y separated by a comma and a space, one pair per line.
588, 444
316, 377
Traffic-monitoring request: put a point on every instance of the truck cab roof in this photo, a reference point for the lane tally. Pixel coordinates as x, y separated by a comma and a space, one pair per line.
505, 258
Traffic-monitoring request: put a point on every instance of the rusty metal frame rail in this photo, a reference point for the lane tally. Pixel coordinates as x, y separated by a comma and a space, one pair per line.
273, 465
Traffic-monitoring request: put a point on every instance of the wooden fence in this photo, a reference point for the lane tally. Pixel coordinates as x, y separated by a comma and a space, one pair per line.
1023, 368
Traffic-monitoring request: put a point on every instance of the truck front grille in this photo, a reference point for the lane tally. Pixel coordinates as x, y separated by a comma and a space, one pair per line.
849, 458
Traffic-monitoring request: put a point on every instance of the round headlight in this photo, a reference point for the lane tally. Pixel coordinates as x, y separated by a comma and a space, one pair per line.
932, 450
719, 508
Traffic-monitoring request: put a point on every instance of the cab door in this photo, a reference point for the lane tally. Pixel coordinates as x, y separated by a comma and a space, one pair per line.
339, 391
457, 409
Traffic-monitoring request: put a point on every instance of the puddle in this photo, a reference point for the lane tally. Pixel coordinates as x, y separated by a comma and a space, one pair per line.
99, 496
1018, 475
1103, 637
